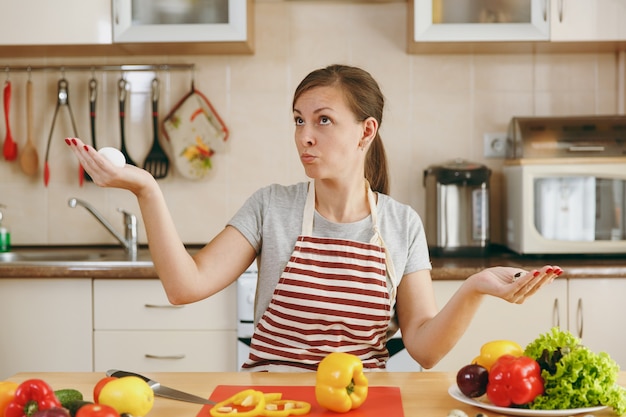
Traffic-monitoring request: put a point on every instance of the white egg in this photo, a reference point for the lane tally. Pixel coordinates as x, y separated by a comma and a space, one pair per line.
115, 156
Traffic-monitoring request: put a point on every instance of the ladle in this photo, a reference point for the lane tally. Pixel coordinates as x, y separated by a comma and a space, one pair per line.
29, 159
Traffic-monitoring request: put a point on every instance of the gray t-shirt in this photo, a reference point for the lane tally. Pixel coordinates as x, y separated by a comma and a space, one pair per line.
271, 220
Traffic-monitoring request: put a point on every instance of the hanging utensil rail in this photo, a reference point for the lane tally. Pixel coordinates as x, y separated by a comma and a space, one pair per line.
94, 68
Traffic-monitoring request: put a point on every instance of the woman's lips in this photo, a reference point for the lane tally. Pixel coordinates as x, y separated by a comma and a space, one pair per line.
307, 158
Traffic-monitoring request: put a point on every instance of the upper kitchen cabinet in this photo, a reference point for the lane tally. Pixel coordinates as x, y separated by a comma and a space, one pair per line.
573, 21
480, 20
515, 25
59, 22
127, 27
224, 24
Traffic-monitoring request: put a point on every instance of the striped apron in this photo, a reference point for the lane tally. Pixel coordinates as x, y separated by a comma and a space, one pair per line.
333, 295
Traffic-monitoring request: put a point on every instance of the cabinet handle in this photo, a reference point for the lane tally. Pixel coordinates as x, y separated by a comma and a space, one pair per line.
545, 10
556, 318
579, 318
560, 11
161, 306
165, 357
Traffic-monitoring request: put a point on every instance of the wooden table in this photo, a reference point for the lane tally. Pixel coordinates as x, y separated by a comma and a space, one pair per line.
423, 393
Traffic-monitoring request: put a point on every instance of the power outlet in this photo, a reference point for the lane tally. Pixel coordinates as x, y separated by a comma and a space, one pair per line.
495, 145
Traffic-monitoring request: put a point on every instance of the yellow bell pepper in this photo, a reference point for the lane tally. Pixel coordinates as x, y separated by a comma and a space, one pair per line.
7, 393
246, 403
340, 385
491, 351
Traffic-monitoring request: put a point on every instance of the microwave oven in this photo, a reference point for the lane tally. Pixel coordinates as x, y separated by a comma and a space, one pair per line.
565, 205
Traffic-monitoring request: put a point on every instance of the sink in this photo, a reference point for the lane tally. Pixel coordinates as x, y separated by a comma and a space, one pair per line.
47, 256
72, 256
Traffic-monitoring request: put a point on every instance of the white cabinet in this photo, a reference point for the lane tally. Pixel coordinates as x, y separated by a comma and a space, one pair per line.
449, 24
101, 27
180, 21
596, 311
479, 20
58, 22
136, 328
46, 325
499, 319
587, 20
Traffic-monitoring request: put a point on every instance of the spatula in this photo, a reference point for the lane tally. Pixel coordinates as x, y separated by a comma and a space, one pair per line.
157, 162
10, 146
29, 159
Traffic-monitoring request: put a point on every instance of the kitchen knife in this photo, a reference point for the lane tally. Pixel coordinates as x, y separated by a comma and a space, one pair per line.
162, 391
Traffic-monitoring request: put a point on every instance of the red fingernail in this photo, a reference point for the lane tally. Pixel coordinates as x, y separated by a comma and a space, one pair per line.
86, 148
549, 270
536, 273
68, 141
558, 271
74, 141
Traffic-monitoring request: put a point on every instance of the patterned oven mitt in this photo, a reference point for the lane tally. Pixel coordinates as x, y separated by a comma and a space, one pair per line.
195, 132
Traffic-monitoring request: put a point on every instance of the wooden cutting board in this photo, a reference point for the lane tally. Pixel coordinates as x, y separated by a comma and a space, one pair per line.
381, 401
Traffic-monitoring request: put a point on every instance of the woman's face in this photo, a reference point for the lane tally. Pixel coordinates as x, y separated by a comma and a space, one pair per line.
328, 135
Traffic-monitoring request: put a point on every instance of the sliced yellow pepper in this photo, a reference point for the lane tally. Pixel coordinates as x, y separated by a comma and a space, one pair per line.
340, 385
246, 403
491, 351
285, 408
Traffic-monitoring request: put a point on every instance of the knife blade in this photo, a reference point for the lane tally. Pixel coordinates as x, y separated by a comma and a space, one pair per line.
161, 390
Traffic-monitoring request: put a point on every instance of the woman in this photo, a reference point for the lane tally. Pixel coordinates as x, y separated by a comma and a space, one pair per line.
341, 264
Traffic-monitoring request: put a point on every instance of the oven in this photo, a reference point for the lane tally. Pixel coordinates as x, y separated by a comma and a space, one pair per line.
399, 360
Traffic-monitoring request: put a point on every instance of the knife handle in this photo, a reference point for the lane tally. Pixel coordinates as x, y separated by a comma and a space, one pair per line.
121, 374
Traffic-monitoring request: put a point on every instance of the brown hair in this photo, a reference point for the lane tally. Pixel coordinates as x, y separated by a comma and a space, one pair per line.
365, 100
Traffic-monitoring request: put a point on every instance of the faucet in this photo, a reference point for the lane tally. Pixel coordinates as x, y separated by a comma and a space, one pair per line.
129, 240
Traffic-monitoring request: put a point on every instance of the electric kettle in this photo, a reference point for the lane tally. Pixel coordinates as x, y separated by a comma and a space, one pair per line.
457, 208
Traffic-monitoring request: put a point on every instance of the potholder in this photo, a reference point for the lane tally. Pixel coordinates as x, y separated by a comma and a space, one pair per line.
195, 132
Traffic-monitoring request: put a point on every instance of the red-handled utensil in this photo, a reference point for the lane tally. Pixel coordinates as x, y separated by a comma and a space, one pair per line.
10, 146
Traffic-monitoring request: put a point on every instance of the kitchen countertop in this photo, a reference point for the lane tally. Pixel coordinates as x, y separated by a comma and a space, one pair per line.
422, 393
444, 267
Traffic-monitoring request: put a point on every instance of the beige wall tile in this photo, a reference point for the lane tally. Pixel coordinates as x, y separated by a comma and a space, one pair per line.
438, 108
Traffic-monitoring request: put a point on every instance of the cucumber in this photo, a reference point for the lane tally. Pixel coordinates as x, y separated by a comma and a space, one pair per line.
74, 406
66, 396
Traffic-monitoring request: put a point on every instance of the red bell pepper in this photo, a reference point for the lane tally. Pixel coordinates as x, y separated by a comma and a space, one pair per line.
30, 396
514, 381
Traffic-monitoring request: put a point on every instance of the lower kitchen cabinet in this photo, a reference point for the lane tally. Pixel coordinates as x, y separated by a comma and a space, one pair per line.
596, 311
136, 328
46, 325
165, 350
499, 319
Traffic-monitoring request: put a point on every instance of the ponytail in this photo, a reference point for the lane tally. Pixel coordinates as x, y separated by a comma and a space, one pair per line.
376, 172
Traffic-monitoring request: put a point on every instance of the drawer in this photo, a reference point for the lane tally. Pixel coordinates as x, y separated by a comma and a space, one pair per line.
166, 351
141, 304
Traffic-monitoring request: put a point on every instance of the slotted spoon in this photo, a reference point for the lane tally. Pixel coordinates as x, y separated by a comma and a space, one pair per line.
157, 162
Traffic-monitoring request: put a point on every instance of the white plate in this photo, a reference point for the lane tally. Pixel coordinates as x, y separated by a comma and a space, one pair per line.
456, 393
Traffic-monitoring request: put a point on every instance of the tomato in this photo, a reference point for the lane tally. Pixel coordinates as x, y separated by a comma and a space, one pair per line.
130, 394
100, 385
97, 410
